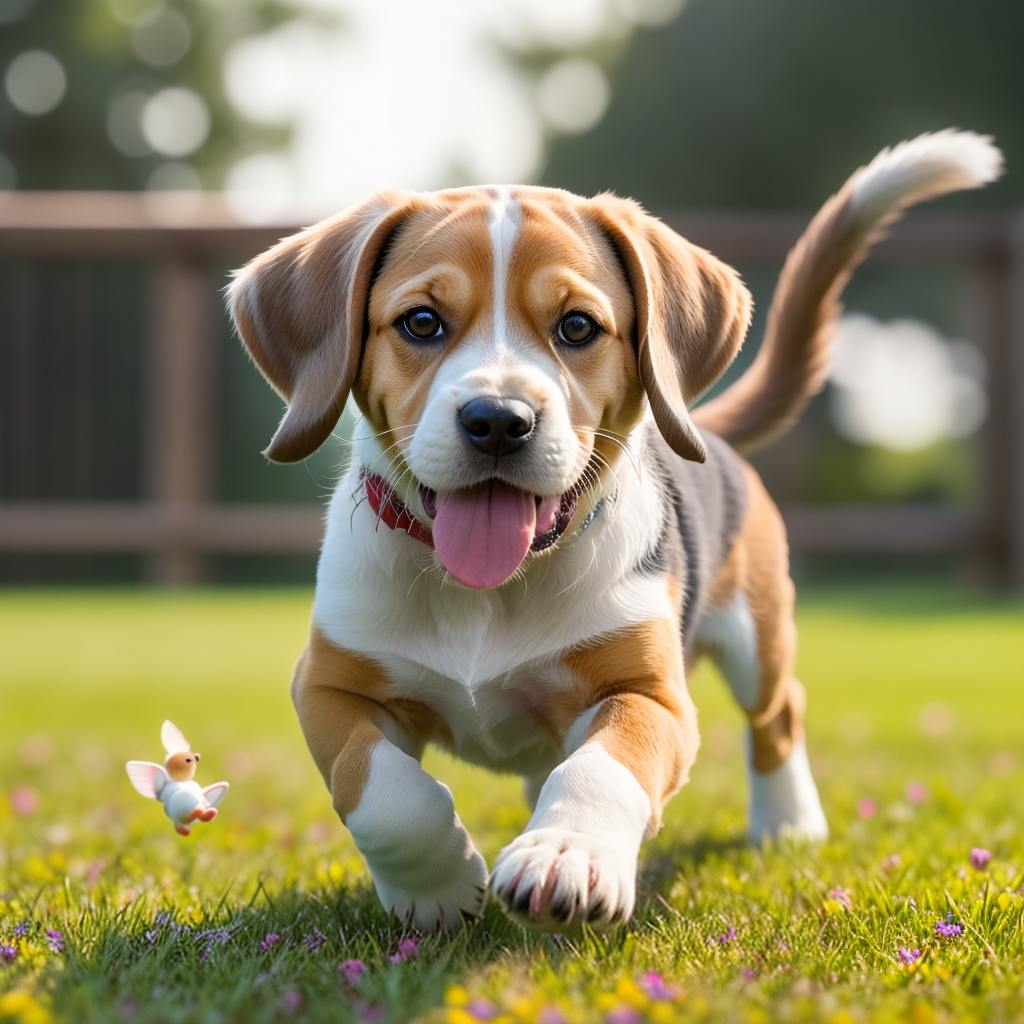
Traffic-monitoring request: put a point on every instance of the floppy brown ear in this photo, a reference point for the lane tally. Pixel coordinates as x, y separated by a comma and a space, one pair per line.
300, 308
692, 313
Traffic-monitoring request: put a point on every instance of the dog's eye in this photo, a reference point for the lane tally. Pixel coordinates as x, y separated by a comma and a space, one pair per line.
576, 328
421, 324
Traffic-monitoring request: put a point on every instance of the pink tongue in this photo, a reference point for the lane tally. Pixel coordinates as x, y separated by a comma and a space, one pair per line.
482, 533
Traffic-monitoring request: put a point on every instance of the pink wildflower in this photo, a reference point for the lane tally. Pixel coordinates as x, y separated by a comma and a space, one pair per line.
623, 1015
352, 969
656, 987
916, 792
291, 1001
867, 808
408, 949
24, 801
551, 1015
482, 1009
726, 937
891, 863
980, 858
842, 897
909, 956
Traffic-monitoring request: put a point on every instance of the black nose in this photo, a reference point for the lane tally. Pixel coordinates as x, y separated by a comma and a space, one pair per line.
497, 426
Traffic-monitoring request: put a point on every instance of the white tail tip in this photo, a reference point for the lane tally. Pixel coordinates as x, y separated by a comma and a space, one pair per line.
924, 168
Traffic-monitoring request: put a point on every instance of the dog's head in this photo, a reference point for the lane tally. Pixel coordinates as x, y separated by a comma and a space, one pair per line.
501, 343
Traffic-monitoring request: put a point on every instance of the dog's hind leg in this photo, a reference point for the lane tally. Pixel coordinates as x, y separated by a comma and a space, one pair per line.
749, 632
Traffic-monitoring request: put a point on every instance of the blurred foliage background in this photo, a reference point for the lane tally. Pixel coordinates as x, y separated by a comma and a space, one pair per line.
712, 104
119, 73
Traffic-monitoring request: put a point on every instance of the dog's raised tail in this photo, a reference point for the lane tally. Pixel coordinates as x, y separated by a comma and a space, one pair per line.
793, 362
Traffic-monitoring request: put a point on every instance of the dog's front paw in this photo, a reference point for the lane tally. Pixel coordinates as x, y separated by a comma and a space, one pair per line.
553, 879
443, 896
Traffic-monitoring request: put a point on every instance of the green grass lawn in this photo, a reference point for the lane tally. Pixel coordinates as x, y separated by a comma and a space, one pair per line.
916, 732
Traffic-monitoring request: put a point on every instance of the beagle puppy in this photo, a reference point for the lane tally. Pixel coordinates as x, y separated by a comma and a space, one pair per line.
537, 535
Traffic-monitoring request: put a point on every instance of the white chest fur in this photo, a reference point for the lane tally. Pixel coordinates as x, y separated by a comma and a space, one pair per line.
486, 661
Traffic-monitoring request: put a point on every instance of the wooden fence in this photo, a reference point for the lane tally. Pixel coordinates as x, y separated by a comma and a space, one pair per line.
178, 525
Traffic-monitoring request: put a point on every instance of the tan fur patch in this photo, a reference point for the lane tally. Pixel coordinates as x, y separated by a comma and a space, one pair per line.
343, 704
647, 720
441, 257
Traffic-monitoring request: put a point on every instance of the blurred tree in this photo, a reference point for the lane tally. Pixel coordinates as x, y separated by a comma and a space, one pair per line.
745, 103
125, 94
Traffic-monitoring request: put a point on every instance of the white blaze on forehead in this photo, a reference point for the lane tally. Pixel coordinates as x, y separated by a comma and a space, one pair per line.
503, 233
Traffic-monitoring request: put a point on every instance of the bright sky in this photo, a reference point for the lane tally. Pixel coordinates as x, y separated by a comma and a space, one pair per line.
418, 94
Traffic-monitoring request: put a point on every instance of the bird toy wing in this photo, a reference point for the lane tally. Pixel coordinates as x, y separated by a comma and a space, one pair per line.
215, 793
147, 778
173, 738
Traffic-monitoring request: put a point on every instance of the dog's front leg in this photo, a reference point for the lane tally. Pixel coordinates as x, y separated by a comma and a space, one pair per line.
576, 860
424, 865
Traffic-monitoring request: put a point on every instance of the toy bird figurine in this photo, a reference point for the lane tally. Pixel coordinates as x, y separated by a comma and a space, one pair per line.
171, 783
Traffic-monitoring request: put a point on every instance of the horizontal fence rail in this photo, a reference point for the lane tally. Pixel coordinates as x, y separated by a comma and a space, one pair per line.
179, 526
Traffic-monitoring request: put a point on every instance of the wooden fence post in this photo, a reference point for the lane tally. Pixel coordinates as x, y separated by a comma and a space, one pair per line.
994, 321
1014, 390
179, 449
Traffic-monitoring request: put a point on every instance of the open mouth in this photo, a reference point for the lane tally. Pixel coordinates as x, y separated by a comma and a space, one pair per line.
483, 533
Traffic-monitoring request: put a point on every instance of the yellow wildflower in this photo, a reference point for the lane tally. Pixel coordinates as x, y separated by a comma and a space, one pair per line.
456, 995
21, 1005
661, 1012
921, 1013
631, 993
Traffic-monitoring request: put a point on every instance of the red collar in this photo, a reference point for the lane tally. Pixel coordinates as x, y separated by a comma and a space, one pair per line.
393, 512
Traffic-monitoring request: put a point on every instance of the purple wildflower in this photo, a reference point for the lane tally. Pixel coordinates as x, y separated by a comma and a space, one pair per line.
623, 1015
408, 949
482, 1009
727, 937
551, 1015
949, 928
218, 937
152, 936
163, 918
656, 987
980, 858
314, 940
909, 956
368, 1013
352, 969
842, 897
55, 940
270, 941
291, 1001
21, 930
8, 954
749, 974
